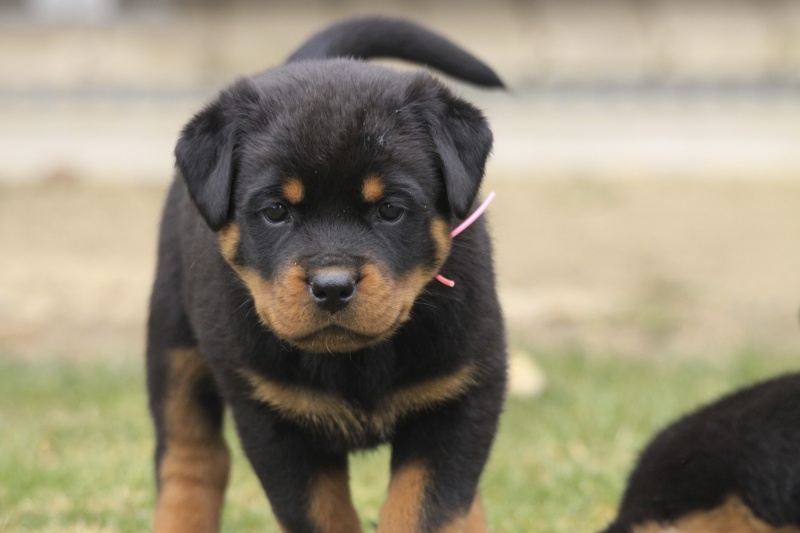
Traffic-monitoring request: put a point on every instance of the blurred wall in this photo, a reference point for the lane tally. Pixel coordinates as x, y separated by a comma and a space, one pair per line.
646, 157
150, 45
98, 89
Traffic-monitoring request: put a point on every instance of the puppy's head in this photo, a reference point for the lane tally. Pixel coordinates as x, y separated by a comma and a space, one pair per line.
332, 187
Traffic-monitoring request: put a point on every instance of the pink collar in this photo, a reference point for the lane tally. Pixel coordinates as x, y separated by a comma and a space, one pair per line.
464, 225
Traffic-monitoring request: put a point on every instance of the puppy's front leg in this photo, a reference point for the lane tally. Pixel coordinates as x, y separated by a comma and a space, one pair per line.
306, 484
437, 459
410, 506
192, 460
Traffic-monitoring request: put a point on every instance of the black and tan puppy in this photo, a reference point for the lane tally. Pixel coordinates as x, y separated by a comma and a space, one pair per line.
295, 284
731, 467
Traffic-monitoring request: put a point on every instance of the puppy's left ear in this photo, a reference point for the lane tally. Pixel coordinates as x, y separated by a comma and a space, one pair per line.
463, 141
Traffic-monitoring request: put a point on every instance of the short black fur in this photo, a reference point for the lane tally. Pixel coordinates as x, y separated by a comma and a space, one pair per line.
327, 142
746, 445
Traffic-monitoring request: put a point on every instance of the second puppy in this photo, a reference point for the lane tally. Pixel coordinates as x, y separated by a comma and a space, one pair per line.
731, 467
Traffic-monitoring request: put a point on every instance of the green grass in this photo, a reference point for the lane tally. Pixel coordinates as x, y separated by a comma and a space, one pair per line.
75, 445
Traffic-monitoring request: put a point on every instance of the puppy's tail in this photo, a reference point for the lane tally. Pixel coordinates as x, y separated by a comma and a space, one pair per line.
364, 38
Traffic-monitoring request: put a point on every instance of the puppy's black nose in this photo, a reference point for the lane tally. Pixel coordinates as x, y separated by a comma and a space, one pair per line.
332, 290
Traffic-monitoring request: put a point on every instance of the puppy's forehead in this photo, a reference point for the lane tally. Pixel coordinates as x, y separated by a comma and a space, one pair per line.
373, 189
333, 102
370, 188
329, 131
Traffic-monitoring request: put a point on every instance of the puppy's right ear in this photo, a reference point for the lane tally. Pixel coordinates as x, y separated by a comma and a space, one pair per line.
205, 153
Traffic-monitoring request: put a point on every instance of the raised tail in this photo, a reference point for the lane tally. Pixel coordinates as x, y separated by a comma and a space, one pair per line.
368, 37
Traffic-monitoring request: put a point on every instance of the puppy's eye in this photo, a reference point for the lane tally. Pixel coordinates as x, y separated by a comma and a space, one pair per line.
275, 213
390, 212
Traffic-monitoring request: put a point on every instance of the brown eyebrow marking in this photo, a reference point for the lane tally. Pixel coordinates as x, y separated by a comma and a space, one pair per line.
293, 190
373, 189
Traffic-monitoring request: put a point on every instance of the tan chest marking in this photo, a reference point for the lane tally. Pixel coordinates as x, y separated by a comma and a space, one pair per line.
333, 414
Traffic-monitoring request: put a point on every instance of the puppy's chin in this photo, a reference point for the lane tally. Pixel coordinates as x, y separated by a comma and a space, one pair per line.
336, 339
340, 334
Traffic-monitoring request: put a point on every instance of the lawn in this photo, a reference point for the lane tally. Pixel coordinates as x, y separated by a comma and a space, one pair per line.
76, 444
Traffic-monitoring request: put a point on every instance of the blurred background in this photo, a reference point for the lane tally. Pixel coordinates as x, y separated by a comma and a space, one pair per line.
647, 161
647, 231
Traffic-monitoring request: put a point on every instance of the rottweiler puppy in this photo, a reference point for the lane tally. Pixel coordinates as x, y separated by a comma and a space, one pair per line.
299, 243
731, 467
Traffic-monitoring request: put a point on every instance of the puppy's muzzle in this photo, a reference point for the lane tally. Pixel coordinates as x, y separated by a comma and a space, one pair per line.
332, 289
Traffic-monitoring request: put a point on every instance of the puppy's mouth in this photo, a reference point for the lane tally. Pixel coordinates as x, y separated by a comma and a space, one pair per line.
340, 336
336, 339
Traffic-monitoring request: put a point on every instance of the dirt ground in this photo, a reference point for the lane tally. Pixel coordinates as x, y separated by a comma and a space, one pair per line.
634, 267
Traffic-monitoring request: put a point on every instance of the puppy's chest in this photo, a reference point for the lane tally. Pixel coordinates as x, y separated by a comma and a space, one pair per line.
358, 423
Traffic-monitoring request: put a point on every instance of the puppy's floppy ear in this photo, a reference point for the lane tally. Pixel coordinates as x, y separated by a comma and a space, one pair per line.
205, 153
463, 141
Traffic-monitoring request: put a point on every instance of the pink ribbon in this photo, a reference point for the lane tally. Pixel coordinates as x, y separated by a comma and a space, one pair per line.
461, 227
